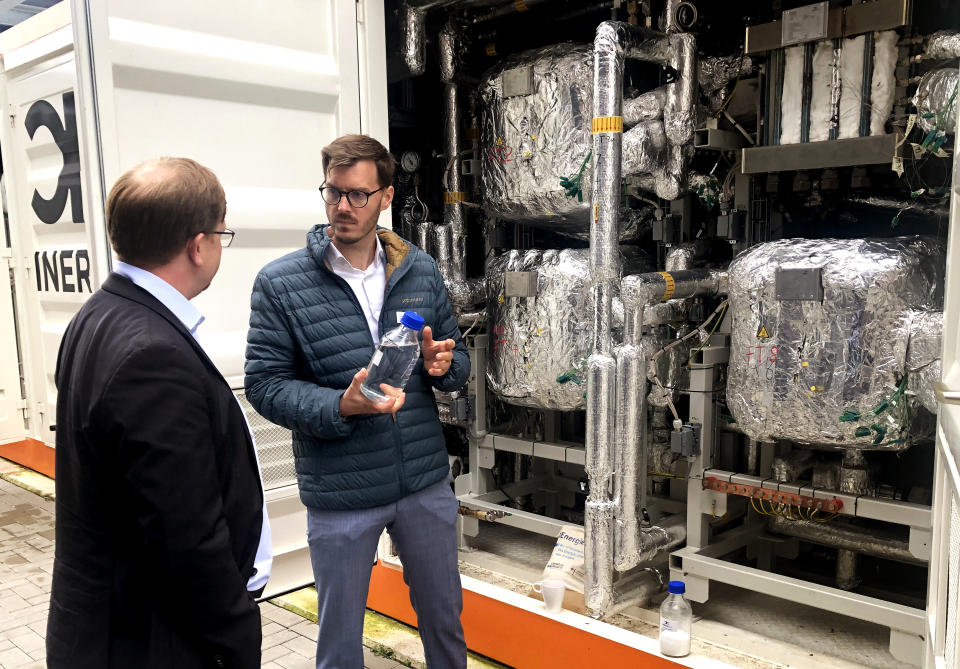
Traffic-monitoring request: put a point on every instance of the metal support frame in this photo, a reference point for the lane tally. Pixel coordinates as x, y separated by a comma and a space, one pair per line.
477, 490
702, 559
907, 625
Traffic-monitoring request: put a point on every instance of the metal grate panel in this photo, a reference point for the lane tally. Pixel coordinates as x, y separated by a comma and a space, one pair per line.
274, 447
953, 587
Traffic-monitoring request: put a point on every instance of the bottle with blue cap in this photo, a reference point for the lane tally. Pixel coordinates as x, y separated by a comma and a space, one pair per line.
395, 357
676, 617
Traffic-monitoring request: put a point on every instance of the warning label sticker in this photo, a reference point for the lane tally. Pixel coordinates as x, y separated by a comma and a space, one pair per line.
762, 332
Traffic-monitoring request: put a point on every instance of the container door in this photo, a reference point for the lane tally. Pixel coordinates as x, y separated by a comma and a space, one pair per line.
53, 266
943, 600
253, 91
12, 402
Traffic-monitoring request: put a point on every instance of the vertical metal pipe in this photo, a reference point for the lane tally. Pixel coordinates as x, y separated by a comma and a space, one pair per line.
847, 577
604, 272
414, 25
630, 455
452, 208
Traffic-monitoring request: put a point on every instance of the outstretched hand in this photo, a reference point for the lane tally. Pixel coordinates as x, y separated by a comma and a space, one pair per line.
437, 355
354, 402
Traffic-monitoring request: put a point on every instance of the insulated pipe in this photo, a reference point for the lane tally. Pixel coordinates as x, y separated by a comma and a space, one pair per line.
614, 41
414, 39
645, 107
944, 44
846, 574
453, 207
631, 457
656, 287
876, 543
644, 148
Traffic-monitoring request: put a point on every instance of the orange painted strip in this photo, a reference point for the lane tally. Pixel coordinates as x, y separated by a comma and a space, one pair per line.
30, 453
513, 636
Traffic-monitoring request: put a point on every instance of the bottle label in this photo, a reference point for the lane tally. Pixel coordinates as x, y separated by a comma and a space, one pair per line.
668, 625
377, 357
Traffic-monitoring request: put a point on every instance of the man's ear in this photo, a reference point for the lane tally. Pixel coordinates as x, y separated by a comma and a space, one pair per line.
387, 198
194, 249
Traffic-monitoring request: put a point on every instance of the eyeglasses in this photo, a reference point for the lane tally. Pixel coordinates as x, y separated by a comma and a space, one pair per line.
226, 236
356, 198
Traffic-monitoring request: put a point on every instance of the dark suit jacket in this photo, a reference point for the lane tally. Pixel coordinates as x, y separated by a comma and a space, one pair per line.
159, 503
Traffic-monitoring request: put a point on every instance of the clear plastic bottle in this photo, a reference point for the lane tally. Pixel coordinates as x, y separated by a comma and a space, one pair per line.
393, 361
676, 615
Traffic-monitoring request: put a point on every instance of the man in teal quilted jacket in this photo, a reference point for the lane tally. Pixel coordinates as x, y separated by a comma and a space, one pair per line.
316, 316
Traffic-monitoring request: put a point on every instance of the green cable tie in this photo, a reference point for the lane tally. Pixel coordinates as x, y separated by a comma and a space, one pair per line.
862, 432
849, 416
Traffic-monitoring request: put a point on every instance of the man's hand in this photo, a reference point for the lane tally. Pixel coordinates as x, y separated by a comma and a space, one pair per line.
437, 355
354, 402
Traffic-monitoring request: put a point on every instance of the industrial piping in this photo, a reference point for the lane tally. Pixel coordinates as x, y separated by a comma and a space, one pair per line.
614, 42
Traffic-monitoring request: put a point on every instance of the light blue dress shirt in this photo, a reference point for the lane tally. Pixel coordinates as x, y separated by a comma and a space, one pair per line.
191, 318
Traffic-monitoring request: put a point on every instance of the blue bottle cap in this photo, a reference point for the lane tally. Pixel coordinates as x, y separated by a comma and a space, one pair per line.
412, 320
676, 588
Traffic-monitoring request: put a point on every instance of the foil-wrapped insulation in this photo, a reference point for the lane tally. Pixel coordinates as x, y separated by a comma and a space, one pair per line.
874, 542
934, 102
791, 466
847, 570
823, 363
425, 238
679, 112
942, 210
453, 51
680, 257
924, 355
713, 74
645, 107
644, 148
664, 313
599, 507
671, 369
530, 142
653, 287
539, 344
943, 45
630, 474
414, 39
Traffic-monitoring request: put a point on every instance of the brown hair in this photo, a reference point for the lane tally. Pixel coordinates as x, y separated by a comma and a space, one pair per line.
348, 150
154, 208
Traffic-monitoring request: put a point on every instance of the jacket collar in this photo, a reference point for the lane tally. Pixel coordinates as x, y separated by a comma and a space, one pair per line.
395, 248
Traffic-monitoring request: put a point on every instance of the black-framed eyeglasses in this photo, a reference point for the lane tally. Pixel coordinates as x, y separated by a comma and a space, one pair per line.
226, 236
356, 198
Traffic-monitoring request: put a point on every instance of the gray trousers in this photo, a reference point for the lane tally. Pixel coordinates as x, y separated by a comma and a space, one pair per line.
343, 546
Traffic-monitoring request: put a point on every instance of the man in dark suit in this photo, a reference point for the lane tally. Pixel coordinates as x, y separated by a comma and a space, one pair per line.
162, 540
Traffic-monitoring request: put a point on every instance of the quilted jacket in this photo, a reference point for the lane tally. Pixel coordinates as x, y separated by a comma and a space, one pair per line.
308, 337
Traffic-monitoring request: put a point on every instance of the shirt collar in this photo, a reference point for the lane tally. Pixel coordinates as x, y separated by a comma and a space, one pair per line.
334, 257
167, 295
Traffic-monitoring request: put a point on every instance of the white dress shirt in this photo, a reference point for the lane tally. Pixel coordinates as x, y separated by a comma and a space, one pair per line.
191, 318
367, 284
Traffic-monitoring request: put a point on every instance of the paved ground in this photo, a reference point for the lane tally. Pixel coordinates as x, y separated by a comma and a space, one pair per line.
26, 562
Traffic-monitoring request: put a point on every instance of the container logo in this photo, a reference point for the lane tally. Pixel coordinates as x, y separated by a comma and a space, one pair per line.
64, 131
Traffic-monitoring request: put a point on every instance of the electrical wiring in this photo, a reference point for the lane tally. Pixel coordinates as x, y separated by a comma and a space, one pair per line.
700, 329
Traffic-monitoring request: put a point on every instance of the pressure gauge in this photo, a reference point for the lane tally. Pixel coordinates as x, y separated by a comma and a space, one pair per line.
410, 161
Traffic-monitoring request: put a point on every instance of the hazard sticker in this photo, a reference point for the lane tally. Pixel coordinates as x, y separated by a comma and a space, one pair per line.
762, 333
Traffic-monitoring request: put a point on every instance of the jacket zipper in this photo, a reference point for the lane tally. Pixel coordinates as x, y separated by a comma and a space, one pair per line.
394, 278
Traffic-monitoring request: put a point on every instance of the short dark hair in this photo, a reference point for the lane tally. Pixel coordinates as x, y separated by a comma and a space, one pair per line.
348, 150
154, 208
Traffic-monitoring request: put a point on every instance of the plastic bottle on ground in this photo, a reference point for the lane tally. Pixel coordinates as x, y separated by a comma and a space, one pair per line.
676, 617
393, 361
